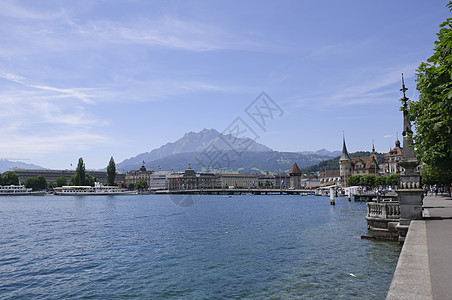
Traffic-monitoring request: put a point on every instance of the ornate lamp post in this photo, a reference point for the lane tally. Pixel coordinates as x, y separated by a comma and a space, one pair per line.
410, 191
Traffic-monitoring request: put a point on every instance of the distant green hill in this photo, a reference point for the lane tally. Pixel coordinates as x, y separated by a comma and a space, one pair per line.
333, 164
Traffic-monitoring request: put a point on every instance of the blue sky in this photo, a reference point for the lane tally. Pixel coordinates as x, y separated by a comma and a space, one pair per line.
95, 79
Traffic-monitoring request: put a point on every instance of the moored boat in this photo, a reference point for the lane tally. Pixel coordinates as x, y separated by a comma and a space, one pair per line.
97, 189
18, 190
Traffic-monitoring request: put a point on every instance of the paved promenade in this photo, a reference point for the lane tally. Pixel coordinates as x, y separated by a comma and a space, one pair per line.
424, 270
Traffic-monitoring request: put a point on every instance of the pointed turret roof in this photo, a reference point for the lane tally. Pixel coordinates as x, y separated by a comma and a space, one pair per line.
295, 170
344, 155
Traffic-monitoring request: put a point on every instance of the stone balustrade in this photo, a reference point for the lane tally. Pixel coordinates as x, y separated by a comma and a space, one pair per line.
382, 210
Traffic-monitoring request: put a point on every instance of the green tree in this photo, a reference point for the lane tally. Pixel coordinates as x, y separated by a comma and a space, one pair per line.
1, 179
381, 180
353, 180
368, 180
36, 183
393, 180
10, 178
432, 113
111, 172
141, 185
80, 174
89, 180
80, 171
432, 175
61, 181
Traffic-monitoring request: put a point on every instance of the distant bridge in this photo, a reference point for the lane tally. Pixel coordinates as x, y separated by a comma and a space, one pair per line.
239, 191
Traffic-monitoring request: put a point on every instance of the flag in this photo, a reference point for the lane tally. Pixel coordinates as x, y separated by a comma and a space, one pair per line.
71, 165
159, 167
143, 162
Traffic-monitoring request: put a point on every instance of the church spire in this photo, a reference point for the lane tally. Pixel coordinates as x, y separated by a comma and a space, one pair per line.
374, 153
344, 155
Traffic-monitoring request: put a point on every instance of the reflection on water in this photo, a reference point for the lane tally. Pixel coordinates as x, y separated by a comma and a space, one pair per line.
221, 247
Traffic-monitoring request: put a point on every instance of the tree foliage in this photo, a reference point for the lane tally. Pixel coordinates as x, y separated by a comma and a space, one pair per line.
111, 172
37, 183
79, 178
141, 185
61, 181
353, 180
10, 178
75, 180
80, 172
433, 175
372, 180
432, 113
393, 180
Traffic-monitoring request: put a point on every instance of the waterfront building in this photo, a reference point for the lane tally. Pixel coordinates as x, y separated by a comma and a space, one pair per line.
308, 181
52, 175
330, 177
189, 180
295, 177
390, 164
266, 180
282, 180
239, 180
140, 175
366, 165
159, 180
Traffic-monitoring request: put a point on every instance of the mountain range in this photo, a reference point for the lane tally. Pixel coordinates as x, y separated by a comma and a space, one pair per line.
323, 152
210, 150
193, 142
6, 165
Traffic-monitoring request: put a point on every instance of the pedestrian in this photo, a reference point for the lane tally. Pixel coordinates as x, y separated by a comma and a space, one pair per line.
435, 188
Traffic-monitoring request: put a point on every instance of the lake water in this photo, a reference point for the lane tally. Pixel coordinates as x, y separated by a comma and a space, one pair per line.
247, 247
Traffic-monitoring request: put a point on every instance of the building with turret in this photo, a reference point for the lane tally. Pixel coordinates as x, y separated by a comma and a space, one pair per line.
365, 165
345, 164
390, 163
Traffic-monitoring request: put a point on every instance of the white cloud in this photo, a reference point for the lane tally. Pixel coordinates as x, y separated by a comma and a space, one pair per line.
165, 32
10, 10
81, 94
32, 145
373, 89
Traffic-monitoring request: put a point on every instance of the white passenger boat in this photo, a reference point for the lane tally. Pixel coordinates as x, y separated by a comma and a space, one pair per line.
17, 190
97, 189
